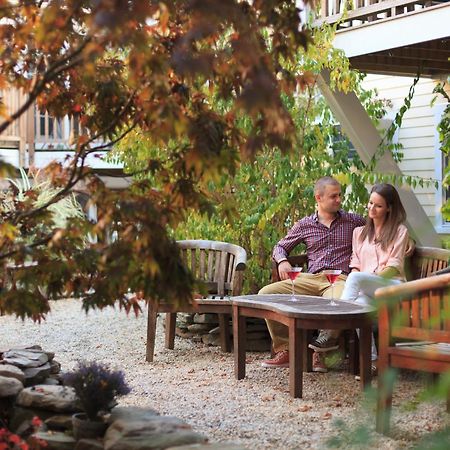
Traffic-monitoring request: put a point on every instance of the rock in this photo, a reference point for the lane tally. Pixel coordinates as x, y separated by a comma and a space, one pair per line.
199, 327
60, 422
206, 318
131, 413
21, 418
9, 386
52, 398
184, 334
56, 441
215, 330
34, 349
55, 367
157, 432
36, 375
89, 444
211, 339
51, 382
10, 371
185, 318
25, 358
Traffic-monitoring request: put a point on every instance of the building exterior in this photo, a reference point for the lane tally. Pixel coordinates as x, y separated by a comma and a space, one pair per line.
392, 40
418, 135
36, 139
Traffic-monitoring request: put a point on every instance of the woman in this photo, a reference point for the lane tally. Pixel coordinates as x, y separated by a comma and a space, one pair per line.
378, 248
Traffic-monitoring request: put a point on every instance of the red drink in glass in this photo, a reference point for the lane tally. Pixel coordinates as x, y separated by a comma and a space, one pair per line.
292, 274
332, 277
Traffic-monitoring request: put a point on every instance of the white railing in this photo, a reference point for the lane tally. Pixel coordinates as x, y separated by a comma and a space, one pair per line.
37, 138
358, 12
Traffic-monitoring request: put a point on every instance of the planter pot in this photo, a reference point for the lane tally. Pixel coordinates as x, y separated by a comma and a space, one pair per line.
84, 428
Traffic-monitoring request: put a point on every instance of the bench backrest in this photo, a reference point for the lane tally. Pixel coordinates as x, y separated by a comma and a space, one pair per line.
425, 261
422, 263
219, 265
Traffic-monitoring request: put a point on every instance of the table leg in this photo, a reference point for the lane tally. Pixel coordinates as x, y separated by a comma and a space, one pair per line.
239, 341
296, 338
365, 359
306, 351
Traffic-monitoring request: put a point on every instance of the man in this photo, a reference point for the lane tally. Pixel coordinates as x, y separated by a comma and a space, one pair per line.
327, 235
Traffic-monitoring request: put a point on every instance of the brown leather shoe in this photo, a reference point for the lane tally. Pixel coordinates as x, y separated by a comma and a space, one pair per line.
281, 359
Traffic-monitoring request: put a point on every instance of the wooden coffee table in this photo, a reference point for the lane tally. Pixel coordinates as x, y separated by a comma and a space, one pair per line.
307, 313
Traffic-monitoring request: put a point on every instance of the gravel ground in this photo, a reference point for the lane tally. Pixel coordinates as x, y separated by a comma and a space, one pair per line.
196, 383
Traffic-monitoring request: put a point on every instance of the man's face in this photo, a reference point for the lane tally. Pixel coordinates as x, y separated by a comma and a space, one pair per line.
330, 200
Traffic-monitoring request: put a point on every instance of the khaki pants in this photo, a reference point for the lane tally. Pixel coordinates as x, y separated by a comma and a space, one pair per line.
305, 284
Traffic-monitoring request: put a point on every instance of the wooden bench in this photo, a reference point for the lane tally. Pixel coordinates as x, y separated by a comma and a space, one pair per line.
219, 267
423, 262
417, 312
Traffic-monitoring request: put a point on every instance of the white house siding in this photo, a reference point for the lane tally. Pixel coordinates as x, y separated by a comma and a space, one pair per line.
418, 135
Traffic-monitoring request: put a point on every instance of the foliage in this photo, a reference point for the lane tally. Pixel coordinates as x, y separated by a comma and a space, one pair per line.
270, 192
360, 434
97, 387
39, 191
9, 440
119, 66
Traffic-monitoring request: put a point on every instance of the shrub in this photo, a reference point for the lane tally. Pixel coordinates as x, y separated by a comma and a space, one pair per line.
97, 387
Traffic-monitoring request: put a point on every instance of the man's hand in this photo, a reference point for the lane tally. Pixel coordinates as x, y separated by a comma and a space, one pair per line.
283, 268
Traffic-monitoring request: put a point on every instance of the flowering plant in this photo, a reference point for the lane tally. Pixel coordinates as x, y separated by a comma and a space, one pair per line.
9, 440
97, 387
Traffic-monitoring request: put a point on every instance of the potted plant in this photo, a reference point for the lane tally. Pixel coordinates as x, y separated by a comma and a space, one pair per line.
97, 387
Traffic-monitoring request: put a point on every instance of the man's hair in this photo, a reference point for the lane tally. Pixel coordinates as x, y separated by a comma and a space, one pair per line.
321, 183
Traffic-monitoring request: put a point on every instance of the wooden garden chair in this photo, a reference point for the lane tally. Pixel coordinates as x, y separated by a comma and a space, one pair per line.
220, 266
418, 313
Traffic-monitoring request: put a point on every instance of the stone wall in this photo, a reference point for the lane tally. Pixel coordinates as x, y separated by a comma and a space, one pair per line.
204, 328
30, 386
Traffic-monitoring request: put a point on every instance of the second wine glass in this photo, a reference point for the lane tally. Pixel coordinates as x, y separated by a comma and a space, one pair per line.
332, 276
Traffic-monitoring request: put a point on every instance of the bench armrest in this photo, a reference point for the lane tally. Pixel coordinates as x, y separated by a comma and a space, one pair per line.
413, 287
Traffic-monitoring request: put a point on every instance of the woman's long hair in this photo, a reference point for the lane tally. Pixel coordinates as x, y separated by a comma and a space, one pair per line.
395, 216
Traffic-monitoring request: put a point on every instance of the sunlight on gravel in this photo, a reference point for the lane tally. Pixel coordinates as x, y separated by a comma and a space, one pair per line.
196, 383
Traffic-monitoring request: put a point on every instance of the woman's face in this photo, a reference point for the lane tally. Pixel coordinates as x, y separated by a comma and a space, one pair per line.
377, 207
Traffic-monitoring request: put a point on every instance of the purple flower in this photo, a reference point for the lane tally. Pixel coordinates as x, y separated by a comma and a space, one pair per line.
97, 386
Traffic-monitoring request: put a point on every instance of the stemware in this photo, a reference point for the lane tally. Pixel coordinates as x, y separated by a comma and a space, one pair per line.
292, 274
332, 276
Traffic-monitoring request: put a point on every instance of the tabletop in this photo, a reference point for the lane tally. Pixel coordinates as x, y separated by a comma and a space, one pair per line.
305, 306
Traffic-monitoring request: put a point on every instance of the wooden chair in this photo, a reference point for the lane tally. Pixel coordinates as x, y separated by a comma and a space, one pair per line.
418, 312
220, 266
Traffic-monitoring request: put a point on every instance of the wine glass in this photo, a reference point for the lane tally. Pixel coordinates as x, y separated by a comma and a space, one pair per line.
292, 274
332, 276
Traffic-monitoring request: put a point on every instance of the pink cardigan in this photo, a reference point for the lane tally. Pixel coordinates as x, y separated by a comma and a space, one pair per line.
369, 257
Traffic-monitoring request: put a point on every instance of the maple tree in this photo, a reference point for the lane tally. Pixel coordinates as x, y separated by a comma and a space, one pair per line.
121, 65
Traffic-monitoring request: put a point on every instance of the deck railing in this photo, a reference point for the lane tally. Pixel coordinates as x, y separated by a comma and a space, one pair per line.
35, 131
358, 12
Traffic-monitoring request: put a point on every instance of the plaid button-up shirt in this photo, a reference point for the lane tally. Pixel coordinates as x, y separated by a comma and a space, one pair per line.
327, 248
